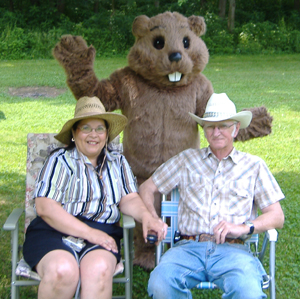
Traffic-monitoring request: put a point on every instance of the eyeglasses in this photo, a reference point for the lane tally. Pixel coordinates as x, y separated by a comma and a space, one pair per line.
222, 127
86, 129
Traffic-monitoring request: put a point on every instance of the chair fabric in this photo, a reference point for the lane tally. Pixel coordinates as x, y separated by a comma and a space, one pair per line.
169, 213
39, 147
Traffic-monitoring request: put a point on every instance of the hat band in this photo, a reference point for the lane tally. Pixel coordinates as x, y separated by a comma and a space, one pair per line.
217, 114
89, 106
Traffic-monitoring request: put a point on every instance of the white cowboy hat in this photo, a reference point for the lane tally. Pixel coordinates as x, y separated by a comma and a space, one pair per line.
219, 107
87, 107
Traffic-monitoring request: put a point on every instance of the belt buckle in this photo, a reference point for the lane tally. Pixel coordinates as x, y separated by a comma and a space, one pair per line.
197, 238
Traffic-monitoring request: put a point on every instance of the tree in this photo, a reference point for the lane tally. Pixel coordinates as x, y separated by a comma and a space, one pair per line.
297, 5
222, 8
231, 15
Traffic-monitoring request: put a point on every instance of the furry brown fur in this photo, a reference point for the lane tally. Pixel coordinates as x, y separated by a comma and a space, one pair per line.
159, 125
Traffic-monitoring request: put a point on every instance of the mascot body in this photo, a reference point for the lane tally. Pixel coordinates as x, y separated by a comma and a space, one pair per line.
160, 85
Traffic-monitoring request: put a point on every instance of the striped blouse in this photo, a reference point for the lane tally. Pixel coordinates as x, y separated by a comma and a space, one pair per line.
69, 178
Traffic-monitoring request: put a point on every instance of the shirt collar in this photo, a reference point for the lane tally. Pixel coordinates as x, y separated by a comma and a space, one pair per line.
234, 155
110, 156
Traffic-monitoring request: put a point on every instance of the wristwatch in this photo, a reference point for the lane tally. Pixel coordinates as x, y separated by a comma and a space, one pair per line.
251, 226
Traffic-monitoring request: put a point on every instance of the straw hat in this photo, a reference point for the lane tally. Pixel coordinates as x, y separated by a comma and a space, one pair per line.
219, 107
87, 107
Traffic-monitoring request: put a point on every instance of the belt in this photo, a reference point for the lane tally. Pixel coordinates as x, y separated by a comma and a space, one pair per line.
208, 237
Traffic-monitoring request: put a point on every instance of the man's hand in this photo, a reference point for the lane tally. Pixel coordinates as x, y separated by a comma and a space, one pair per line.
229, 230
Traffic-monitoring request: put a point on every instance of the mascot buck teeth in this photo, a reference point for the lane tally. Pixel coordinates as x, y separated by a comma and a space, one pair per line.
160, 85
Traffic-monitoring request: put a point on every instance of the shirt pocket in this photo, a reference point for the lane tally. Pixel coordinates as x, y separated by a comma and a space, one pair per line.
240, 199
196, 192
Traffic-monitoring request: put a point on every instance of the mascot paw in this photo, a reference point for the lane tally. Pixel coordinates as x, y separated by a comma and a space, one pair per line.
72, 52
145, 259
260, 126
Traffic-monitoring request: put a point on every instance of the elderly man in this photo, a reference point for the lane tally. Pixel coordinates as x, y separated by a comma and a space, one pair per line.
220, 189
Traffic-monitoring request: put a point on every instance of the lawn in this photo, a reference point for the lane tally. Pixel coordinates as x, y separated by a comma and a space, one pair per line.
272, 81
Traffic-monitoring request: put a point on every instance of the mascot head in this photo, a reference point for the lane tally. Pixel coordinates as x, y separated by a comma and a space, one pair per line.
168, 50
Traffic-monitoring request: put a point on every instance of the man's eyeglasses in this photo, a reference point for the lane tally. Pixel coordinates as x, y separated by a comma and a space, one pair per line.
87, 129
221, 127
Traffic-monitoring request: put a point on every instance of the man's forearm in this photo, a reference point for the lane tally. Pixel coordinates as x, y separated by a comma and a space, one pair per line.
271, 217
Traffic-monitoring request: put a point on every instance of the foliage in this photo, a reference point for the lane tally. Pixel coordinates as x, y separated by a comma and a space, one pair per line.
217, 38
250, 81
18, 43
267, 37
31, 28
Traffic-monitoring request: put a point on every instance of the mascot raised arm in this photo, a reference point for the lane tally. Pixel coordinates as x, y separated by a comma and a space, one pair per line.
161, 84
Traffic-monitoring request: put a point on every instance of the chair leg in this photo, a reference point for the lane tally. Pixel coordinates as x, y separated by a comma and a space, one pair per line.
272, 286
15, 292
131, 256
15, 254
127, 263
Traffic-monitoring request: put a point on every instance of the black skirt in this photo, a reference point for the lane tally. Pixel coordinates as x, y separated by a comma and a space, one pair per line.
41, 238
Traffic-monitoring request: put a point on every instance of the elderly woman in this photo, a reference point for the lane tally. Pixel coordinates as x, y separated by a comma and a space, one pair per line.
80, 192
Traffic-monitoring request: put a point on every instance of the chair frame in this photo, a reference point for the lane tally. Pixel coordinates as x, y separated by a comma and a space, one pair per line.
12, 224
169, 210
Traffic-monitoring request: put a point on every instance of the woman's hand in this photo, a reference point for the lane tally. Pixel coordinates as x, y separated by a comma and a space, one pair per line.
154, 224
131, 204
101, 238
53, 213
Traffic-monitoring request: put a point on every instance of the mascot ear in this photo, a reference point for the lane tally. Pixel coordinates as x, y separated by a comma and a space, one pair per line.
197, 25
140, 26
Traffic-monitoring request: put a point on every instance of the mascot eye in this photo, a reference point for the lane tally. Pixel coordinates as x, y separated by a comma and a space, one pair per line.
186, 42
159, 43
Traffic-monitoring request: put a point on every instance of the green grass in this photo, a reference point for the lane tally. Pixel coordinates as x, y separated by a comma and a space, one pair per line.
249, 81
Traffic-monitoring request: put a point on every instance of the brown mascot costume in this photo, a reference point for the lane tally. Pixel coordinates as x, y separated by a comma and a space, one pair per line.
160, 85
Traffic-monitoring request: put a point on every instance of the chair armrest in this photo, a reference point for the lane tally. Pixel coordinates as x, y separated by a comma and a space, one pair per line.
270, 238
272, 235
12, 220
128, 221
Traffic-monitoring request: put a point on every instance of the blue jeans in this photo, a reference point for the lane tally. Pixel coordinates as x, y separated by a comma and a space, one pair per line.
231, 267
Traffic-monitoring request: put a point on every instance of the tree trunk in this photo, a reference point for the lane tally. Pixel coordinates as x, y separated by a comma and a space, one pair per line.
297, 5
96, 6
222, 8
231, 15
11, 6
113, 7
61, 4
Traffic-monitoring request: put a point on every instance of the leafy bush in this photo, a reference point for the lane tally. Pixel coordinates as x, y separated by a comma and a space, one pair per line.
267, 37
217, 38
13, 43
110, 33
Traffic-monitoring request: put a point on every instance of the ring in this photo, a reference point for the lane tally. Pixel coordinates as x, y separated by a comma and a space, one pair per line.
220, 230
163, 230
106, 241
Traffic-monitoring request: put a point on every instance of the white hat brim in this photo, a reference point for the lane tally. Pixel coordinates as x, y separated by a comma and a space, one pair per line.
243, 117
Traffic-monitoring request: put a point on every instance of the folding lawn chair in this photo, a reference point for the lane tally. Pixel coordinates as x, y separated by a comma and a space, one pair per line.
169, 211
39, 147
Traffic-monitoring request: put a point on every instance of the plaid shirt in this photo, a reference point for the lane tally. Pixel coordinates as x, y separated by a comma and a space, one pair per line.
211, 190
70, 178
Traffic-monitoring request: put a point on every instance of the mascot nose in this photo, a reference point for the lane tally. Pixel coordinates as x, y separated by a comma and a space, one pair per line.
175, 56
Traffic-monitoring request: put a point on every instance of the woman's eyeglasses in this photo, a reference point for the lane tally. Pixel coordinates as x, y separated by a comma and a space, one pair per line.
87, 129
